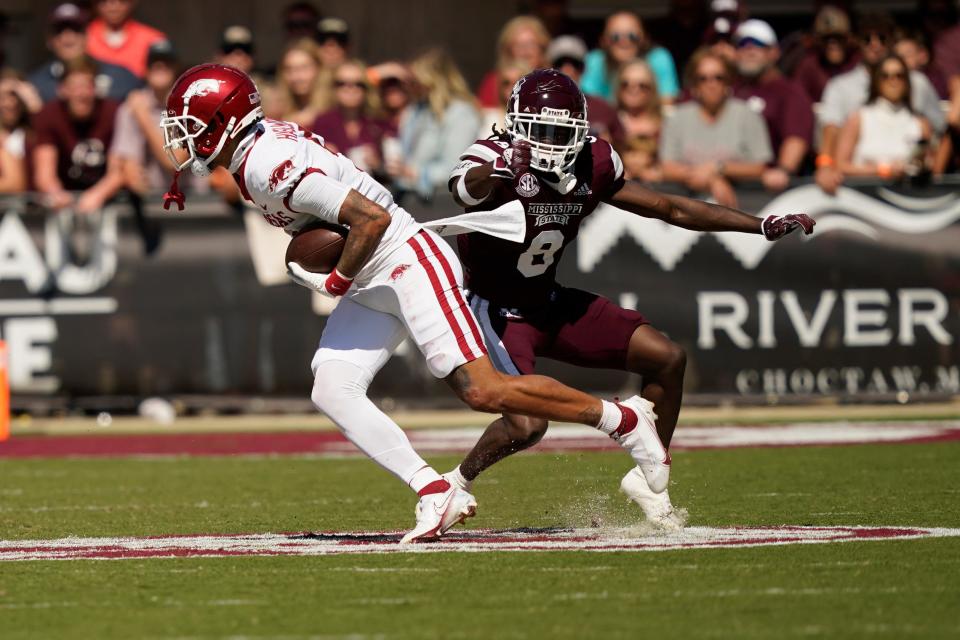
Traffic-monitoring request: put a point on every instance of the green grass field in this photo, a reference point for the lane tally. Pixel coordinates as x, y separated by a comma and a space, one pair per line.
905, 588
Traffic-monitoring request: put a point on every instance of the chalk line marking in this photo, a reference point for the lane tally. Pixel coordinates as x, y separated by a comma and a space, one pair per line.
478, 540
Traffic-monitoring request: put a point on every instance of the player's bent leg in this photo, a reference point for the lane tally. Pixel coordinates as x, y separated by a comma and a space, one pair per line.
662, 364
505, 436
629, 423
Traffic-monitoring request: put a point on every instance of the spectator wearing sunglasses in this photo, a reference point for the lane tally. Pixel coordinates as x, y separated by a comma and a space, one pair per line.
834, 52
67, 41
351, 127
641, 116
623, 40
523, 40
848, 92
782, 103
885, 138
567, 54
333, 39
716, 139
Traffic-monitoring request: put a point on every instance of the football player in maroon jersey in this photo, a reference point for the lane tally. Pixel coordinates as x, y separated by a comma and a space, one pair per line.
546, 160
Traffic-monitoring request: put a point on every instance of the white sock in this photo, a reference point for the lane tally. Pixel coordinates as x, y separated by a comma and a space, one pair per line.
456, 479
610, 418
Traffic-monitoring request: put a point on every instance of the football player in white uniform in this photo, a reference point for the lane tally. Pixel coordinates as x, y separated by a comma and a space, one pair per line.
396, 279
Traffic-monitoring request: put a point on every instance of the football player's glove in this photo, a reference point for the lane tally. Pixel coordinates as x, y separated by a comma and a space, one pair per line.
514, 161
775, 227
331, 285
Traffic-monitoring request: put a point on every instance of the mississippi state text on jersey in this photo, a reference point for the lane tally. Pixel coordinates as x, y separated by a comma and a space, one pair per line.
513, 274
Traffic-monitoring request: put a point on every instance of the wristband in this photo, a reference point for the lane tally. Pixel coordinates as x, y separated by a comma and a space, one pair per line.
824, 160
337, 284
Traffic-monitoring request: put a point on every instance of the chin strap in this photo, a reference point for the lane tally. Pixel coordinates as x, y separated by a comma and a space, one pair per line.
174, 195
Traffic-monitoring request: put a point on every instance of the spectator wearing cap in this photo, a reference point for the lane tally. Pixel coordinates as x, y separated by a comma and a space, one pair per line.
568, 55
67, 40
350, 127
912, 47
782, 103
73, 136
641, 115
300, 21
392, 80
17, 99
300, 93
115, 37
885, 138
523, 40
236, 48
848, 92
716, 139
623, 40
435, 128
834, 52
333, 38
492, 118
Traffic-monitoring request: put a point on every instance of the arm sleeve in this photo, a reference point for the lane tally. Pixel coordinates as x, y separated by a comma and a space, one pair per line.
665, 71
318, 195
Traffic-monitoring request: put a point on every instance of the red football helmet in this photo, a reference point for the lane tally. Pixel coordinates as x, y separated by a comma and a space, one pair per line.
548, 110
208, 105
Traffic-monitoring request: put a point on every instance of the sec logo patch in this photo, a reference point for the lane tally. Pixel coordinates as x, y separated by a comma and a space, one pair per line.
528, 185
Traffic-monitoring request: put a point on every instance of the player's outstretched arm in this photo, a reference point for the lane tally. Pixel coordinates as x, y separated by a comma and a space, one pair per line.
703, 216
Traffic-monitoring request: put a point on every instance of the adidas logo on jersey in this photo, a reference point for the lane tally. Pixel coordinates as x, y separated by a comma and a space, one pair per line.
583, 190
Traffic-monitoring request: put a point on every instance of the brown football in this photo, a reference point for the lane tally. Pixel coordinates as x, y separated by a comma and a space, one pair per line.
317, 248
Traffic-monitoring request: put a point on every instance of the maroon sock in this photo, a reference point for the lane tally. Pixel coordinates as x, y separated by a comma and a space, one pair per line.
628, 422
437, 486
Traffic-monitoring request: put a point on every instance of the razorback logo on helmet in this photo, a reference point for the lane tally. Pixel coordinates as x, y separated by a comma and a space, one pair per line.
280, 174
202, 87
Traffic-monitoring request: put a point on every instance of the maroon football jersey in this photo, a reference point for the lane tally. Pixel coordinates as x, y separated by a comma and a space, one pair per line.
522, 275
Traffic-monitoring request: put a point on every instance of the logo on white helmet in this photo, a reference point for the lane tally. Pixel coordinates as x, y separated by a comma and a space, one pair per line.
200, 88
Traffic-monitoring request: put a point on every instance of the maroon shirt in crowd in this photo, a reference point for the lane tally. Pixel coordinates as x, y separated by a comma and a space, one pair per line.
785, 107
81, 146
812, 75
331, 125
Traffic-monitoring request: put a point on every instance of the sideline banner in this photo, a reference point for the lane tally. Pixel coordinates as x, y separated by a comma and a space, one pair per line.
869, 305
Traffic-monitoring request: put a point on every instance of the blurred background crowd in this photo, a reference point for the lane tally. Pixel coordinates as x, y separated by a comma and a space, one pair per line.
708, 96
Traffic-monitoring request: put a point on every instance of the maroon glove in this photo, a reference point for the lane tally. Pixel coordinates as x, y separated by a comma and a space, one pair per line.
514, 161
775, 227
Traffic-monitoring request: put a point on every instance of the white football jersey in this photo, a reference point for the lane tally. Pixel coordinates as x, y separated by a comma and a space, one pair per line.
289, 174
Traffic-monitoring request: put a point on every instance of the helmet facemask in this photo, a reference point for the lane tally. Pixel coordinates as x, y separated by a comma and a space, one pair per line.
181, 133
554, 136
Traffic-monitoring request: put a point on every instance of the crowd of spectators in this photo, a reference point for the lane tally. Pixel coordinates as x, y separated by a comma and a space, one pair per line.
707, 97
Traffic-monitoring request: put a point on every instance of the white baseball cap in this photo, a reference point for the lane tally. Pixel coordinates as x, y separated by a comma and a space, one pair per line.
756, 30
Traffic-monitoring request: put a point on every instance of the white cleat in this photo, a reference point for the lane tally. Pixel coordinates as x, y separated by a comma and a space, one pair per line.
644, 445
457, 480
438, 512
656, 506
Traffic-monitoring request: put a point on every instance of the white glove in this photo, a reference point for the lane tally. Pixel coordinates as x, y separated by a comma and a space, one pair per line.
313, 281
